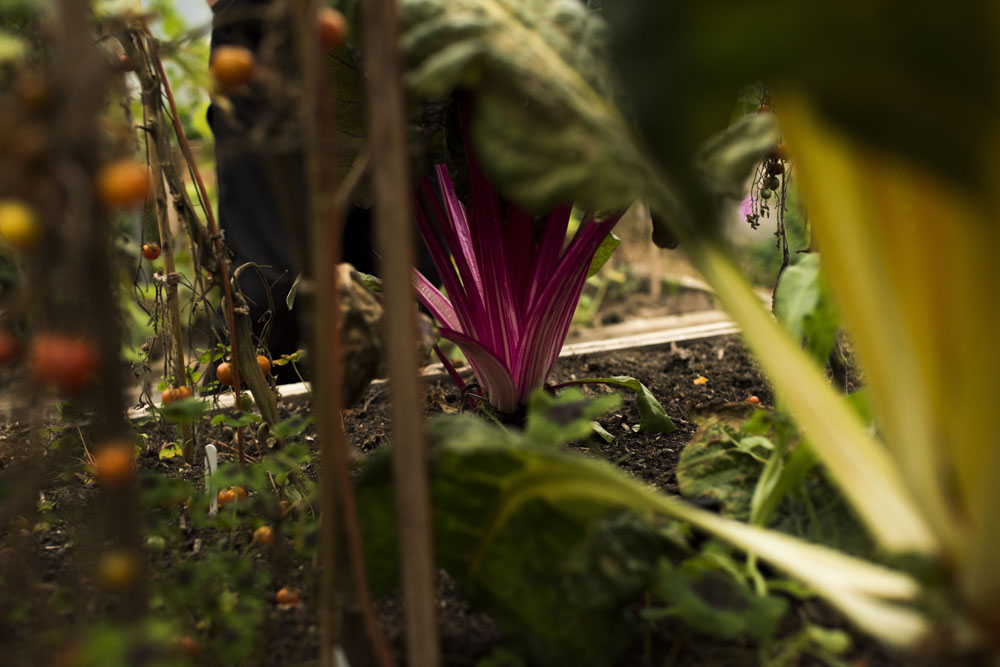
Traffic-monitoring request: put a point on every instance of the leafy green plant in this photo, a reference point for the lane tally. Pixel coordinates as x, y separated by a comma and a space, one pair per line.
572, 591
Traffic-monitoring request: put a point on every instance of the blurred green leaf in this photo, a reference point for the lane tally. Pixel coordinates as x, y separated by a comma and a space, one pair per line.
185, 411
544, 122
292, 426
236, 419
556, 420
866, 63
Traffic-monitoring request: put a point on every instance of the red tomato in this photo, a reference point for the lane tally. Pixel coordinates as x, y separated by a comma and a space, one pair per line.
150, 250
67, 362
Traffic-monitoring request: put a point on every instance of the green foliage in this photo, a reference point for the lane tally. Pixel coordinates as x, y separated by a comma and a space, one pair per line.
292, 426
235, 419
555, 421
759, 257
750, 462
148, 642
803, 305
708, 594
652, 417
185, 411
544, 123
229, 594
603, 253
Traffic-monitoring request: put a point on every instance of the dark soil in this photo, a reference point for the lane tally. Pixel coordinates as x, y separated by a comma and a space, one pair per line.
41, 560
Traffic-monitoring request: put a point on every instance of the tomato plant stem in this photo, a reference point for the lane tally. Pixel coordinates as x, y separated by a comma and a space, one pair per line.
152, 112
213, 230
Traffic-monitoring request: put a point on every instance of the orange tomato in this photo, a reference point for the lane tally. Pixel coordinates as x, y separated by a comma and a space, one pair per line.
332, 28
231, 495
264, 535
753, 400
225, 497
172, 394
224, 372
287, 597
264, 363
150, 250
122, 184
114, 463
232, 67
69, 363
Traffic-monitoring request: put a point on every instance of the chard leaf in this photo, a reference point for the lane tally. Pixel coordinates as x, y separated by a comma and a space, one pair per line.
513, 521
347, 85
545, 125
804, 307
491, 371
731, 460
603, 254
727, 159
652, 417
553, 555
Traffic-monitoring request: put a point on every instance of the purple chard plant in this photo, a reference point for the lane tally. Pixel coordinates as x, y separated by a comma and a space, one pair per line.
511, 294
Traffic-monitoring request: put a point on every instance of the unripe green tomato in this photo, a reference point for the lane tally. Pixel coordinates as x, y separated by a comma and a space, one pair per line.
156, 543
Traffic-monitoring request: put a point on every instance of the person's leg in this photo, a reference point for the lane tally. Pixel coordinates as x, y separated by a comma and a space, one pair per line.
251, 211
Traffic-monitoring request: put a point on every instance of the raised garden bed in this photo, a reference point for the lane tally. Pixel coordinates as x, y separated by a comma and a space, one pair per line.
52, 551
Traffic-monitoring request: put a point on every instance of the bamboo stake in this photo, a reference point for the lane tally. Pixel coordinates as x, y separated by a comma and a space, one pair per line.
325, 311
387, 136
152, 112
327, 206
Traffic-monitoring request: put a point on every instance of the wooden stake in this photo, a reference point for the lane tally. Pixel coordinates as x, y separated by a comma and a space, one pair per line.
389, 151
